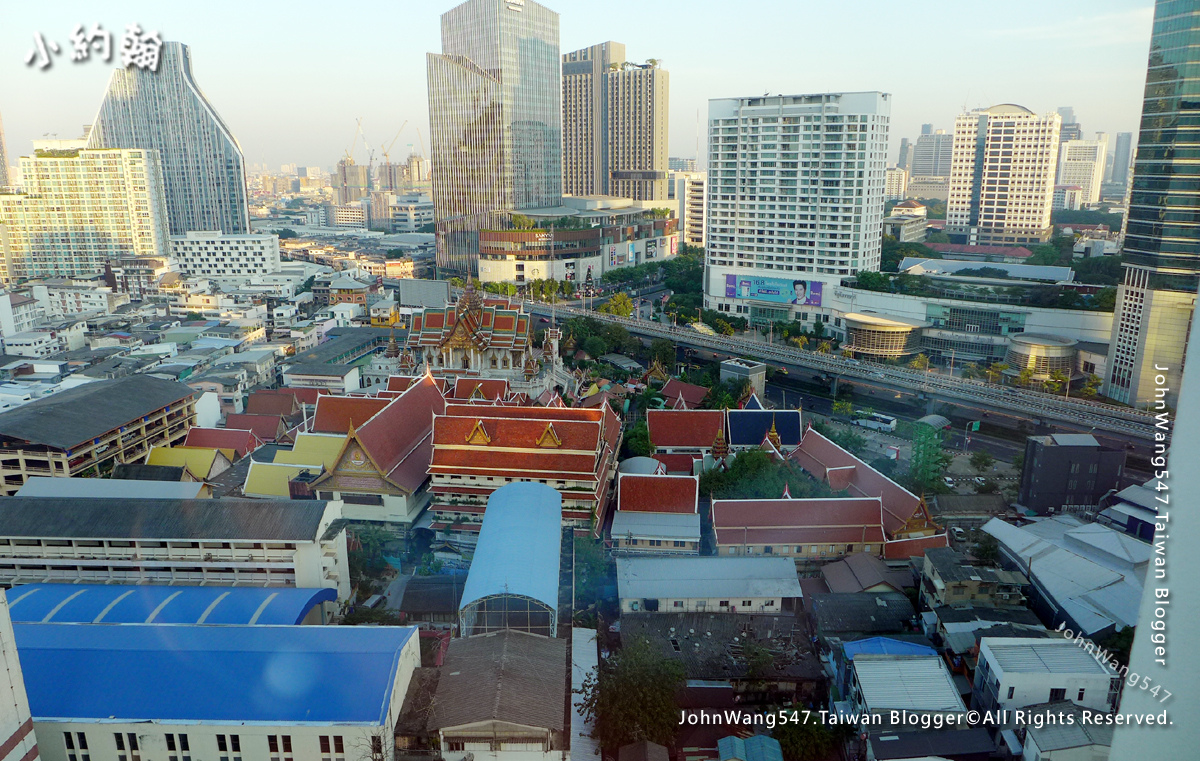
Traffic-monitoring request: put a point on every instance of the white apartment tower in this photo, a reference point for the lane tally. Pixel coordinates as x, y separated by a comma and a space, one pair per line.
1081, 163
686, 189
79, 209
202, 166
1002, 176
614, 124
795, 199
895, 184
17, 735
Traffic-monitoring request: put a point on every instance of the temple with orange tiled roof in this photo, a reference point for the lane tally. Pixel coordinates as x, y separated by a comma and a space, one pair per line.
478, 448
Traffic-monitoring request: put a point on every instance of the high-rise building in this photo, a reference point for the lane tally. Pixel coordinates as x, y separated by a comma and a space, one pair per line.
204, 175
1071, 129
1162, 232
495, 113
351, 182
79, 209
926, 129
906, 154
1122, 155
795, 199
3, 157
1002, 176
1081, 163
895, 184
677, 164
686, 189
614, 124
932, 154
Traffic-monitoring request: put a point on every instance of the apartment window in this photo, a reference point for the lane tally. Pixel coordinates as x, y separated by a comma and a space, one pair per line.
178, 749
280, 747
332, 748
724, 603
1080, 698
77, 747
230, 747
746, 603
677, 604
1011, 691
1059, 694
376, 746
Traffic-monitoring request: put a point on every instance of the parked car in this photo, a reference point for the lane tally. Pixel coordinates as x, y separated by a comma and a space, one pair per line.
949, 481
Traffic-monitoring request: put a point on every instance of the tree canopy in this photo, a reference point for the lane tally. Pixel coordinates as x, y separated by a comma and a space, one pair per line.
630, 696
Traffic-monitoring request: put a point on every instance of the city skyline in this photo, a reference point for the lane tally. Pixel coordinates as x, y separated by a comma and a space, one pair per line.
1094, 64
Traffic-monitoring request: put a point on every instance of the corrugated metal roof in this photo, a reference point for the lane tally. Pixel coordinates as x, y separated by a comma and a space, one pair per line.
520, 543
128, 604
507, 676
688, 577
214, 674
674, 526
913, 683
753, 748
224, 519
49, 486
79, 414
1041, 656
584, 658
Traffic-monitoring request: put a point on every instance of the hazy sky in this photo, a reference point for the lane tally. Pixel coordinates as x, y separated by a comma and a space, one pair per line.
290, 79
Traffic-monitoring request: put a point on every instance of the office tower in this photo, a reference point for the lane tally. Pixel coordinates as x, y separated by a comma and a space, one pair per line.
80, 208
614, 124
686, 189
1122, 154
932, 154
351, 182
204, 175
926, 129
1002, 176
895, 184
905, 159
3, 158
1081, 163
677, 164
1071, 129
795, 199
1162, 232
495, 113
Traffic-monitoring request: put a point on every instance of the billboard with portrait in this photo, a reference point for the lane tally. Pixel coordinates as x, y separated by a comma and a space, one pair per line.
651, 248
774, 289
632, 254
674, 246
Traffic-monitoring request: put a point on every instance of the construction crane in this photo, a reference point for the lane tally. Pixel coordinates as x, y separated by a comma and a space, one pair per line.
387, 151
350, 150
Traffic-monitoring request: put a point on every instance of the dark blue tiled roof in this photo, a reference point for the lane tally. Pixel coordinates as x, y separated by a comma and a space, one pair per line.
750, 427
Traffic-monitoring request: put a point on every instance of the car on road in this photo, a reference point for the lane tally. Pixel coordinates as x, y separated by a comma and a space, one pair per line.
949, 481
545, 319
783, 370
979, 480
958, 534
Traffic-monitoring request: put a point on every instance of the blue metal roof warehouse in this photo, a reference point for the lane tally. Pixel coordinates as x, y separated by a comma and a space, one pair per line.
513, 581
273, 675
137, 604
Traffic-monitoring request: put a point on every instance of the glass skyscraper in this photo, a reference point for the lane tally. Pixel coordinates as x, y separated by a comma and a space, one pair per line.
1162, 231
204, 174
495, 120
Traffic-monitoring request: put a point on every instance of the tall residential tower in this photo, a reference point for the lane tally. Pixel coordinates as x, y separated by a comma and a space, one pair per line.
1162, 231
495, 113
1002, 176
204, 175
614, 124
795, 200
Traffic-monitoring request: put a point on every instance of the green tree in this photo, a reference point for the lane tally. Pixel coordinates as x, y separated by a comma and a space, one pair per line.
987, 487
937, 237
568, 289
620, 305
286, 233
521, 222
307, 285
807, 740
1105, 300
995, 371
1091, 386
664, 351
595, 347
971, 370
919, 362
457, 282
1025, 377
631, 696
987, 549
873, 281
843, 408
428, 228
1018, 462
637, 442
372, 616
193, 317
981, 460
592, 570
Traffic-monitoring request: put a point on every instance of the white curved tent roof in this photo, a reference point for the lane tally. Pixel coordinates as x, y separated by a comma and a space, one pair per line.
519, 546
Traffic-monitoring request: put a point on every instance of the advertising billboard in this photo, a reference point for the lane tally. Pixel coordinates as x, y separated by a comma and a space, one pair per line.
632, 254
651, 248
774, 289
612, 256
674, 246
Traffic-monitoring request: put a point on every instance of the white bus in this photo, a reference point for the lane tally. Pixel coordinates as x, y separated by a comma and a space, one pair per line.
877, 422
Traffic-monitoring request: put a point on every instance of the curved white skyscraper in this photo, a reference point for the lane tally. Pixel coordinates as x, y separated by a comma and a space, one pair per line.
204, 174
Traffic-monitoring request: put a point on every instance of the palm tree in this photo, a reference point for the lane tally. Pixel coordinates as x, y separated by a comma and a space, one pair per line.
824, 347
970, 370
